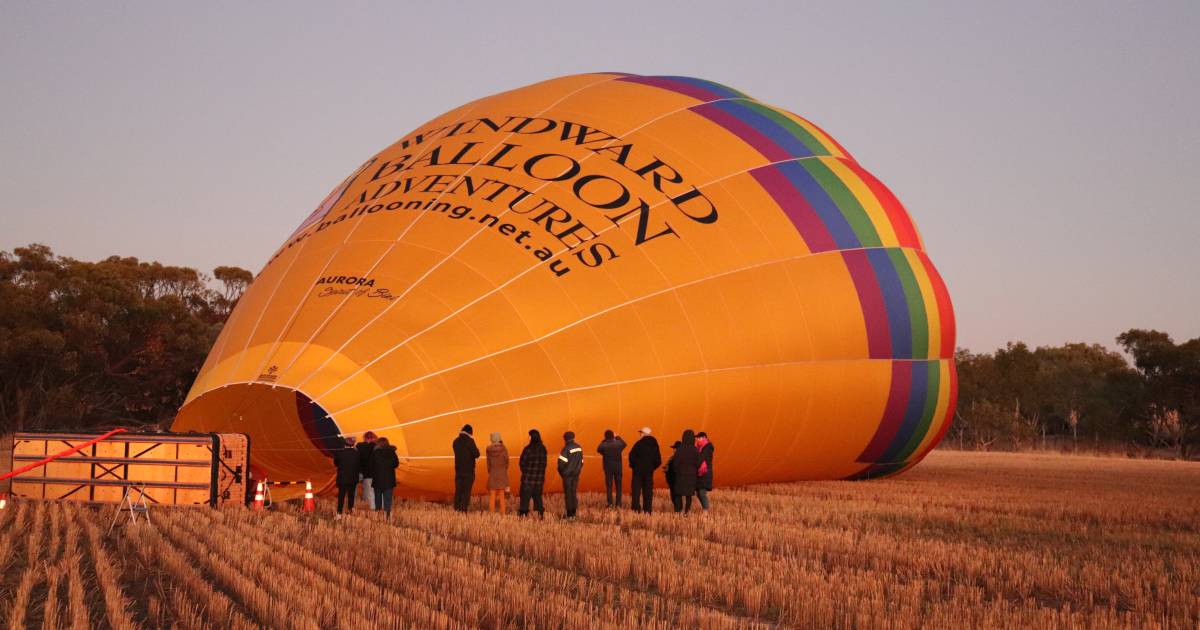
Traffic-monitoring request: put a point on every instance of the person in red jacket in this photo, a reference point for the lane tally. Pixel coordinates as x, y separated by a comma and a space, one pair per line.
704, 481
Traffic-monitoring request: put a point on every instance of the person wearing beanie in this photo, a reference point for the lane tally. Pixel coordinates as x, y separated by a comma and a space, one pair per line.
610, 456
497, 467
570, 465
533, 474
465, 454
644, 459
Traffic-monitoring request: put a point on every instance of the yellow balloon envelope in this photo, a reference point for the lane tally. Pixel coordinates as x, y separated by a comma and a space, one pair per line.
598, 251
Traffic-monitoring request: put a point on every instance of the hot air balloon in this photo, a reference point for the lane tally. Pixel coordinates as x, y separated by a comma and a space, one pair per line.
597, 251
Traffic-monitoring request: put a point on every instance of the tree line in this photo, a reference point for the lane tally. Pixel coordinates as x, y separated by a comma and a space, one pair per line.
84, 345
1082, 396
118, 342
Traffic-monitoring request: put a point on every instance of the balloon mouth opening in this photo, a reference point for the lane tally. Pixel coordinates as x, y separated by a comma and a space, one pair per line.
289, 432
318, 425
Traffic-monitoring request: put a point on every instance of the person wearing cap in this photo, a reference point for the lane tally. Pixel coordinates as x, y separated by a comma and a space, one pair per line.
610, 456
644, 459
570, 465
365, 448
348, 465
497, 467
465, 454
533, 474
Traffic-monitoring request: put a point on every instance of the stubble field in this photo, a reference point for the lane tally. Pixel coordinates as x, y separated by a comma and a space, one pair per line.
964, 540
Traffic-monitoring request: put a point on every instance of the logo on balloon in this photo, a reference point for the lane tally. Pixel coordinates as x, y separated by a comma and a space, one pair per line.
352, 286
569, 194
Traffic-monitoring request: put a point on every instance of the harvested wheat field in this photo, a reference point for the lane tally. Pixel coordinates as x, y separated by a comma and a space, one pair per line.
963, 540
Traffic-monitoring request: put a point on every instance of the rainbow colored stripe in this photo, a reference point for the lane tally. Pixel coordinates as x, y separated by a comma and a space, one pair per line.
905, 303
777, 134
837, 206
919, 409
688, 86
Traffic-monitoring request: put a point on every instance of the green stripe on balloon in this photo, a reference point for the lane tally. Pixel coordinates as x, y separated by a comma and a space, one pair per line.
792, 127
917, 317
846, 202
933, 393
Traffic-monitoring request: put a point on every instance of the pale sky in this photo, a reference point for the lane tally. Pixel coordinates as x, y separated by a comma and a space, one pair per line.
1048, 155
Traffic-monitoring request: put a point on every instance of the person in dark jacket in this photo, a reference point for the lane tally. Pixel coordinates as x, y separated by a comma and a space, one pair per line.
669, 473
383, 471
364, 467
687, 469
704, 482
644, 459
610, 456
570, 466
533, 474
465, 454
348, 467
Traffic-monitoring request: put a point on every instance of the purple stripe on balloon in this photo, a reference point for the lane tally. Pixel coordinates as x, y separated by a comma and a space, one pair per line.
893, 413
750, 135
796, 207
879, 340
687, 89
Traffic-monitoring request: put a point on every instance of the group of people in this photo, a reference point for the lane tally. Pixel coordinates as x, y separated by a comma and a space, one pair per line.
688, 471
371, 463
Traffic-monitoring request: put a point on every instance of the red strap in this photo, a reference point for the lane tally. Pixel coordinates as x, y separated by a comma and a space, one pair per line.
55, 456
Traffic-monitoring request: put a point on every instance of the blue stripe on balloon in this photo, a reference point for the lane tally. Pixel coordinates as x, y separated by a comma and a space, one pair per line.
716, 88
894, 299
769, 128
820, 201
918, 394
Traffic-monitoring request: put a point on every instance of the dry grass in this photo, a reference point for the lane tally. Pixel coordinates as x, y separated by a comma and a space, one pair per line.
964, 540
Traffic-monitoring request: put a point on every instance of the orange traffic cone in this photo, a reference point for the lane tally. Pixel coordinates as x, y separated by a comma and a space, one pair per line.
310, 504
3, 500
258, 498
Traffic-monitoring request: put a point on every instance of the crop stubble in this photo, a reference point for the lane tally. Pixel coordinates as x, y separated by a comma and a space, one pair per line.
962, 540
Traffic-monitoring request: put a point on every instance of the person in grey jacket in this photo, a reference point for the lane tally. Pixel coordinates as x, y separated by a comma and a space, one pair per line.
570, 465
610, 455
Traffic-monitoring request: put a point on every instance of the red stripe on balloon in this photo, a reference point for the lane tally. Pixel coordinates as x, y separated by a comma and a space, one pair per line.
893, 412
796, 207
945, 308
748, 134
687, 89
902, 223
870, 297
